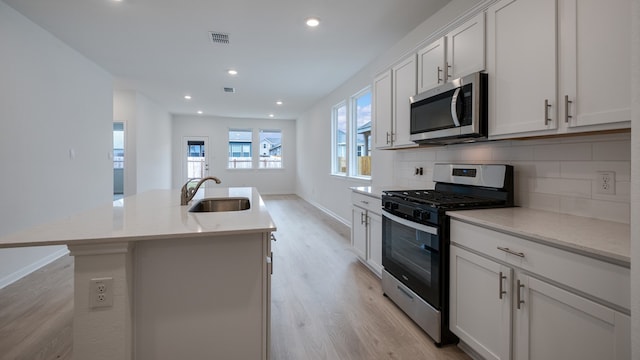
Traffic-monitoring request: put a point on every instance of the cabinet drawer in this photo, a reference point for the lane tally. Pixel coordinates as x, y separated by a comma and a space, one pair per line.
366, 202
600, 279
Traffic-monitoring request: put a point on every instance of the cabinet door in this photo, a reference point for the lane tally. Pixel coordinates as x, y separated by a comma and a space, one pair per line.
404, 86
480, 298
465, 48
374, 258
521, 62
382, 115
431, 65
595, 61
553, 323
359, 231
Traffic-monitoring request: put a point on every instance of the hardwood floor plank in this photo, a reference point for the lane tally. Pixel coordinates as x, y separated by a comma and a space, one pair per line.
328, 305
36, 314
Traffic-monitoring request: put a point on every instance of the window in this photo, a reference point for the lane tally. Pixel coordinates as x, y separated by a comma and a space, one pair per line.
351, 136
240, 156
361, 134
270, 149
339, 139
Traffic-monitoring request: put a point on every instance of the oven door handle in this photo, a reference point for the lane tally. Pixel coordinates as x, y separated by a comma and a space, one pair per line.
411, 224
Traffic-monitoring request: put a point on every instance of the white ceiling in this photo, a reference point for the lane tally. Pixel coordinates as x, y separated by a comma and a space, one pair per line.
162, 48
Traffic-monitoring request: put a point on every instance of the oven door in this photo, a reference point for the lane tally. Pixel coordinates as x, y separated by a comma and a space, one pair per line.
411, 253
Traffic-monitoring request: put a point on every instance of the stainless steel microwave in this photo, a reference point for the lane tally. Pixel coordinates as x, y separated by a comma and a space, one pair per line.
451, 113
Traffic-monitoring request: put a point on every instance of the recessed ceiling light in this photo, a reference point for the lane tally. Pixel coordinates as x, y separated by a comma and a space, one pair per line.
279, 102
199, 112
187, 97
232, 72
312, 22
271, 115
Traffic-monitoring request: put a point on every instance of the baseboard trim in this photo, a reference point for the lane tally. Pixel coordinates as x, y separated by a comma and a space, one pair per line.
329, 213
17, 275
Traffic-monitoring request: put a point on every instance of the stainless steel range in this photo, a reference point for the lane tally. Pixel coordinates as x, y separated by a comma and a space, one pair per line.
415, 238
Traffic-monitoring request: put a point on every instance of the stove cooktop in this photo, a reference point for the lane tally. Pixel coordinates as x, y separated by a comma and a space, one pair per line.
443, 199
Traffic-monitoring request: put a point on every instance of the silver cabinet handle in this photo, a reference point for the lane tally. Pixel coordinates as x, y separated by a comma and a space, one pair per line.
270, 262
388, 135
507, 250
448, 73
546, 112
519, 299
364, 202
500, 291
567, 102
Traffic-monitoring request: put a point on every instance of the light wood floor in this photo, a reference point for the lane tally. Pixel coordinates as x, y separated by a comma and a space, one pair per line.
325, 303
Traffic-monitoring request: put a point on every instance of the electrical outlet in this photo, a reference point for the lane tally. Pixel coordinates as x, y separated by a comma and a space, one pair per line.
101, 292
606, 183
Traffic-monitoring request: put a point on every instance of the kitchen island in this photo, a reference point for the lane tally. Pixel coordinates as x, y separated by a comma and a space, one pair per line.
178, 284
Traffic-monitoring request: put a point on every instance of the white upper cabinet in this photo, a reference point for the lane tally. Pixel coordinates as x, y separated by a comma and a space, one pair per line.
404, 87
466, 48
521, 62
537, 46
382, 114
459, 53
431, 65
595, 62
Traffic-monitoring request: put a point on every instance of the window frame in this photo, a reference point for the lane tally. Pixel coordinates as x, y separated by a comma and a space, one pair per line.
351, 149
282, 152
334, 140
352, 122
251, 150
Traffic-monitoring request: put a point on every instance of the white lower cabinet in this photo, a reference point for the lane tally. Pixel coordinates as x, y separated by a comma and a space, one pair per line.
553, 323
480, 311
366, 231
502, 311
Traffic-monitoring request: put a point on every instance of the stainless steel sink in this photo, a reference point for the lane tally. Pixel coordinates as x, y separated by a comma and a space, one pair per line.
221, 204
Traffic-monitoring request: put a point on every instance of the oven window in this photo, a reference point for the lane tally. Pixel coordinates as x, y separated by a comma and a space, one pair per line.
413, 257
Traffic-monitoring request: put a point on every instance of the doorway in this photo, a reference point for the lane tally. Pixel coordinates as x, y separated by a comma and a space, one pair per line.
196, 164
118, 160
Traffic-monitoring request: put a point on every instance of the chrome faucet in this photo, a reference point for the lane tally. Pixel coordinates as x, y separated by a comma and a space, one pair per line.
187, 194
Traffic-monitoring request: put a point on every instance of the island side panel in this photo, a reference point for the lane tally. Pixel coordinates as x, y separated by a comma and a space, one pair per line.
201, 298
103, 333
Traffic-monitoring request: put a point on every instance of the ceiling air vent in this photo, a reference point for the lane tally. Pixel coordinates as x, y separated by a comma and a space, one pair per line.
219, 37
229, 90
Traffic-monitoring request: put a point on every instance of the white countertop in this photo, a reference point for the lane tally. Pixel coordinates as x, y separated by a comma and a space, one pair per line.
155, 214
374, 191
598, 238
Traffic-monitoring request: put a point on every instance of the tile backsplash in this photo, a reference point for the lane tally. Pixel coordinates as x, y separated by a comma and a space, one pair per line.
554, 174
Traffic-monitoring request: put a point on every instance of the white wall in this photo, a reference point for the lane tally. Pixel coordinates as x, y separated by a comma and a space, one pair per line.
314, 181
147, 142
268, 181
53, 101
635, 181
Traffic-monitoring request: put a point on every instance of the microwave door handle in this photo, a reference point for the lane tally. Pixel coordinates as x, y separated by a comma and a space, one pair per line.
454, 107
